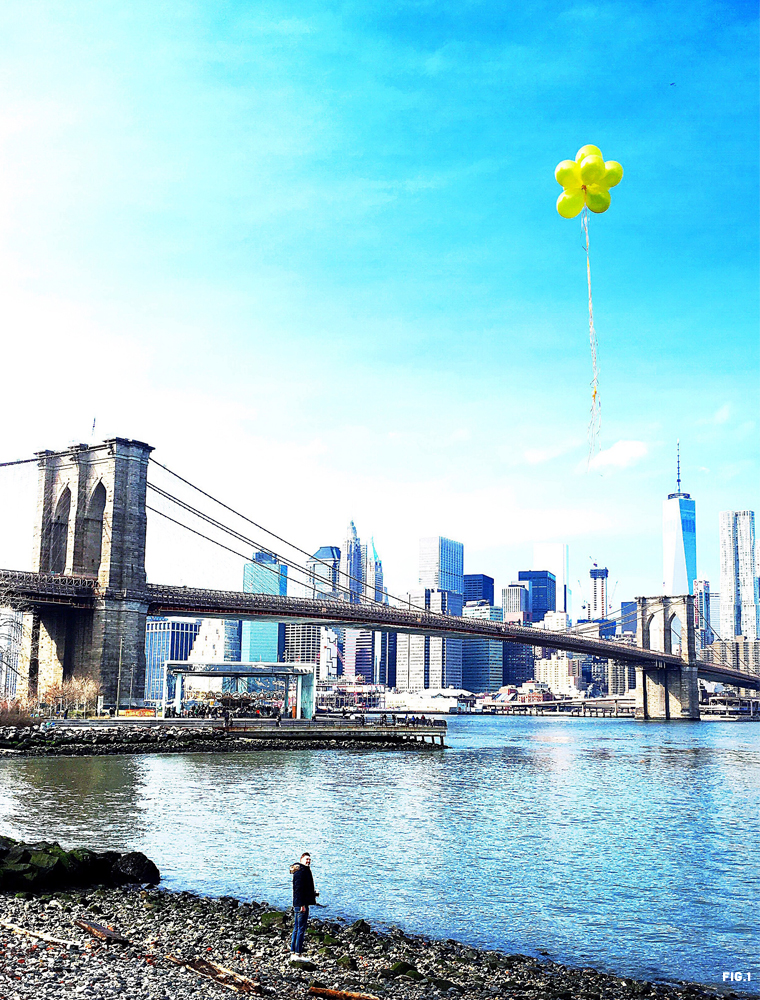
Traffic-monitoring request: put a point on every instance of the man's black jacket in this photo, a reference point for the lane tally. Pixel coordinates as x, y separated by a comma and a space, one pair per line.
303, 886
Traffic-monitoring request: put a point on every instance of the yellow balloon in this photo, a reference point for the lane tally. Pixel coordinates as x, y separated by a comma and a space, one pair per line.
568, 174
592, 169
570, 202
585, 151
597, 198
613, 174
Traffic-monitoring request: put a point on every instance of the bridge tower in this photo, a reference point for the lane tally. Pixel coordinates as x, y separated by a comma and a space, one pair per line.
91, 522
664, 691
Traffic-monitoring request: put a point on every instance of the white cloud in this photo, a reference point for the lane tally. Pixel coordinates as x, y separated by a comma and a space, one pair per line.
621, 455
721, 416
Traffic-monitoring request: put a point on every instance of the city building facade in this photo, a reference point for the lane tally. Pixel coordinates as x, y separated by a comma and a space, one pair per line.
597, 607
429, 661
543, 591
516, 599
442, 564
482, 659
739, 598
555, 556
478, 587
263, 641
323, 570
166, 639
351, 579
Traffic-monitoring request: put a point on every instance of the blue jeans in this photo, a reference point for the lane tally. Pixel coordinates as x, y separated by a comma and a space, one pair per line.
296, 942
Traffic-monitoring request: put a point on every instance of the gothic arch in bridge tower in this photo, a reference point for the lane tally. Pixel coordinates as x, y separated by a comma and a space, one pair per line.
92, 532
59, 533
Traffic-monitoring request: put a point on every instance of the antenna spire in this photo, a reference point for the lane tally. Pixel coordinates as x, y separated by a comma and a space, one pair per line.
678, 464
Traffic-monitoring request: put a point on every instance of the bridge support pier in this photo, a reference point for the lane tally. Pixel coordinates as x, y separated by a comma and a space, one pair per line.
667, 693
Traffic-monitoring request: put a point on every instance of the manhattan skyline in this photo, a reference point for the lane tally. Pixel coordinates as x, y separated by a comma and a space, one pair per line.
324, 250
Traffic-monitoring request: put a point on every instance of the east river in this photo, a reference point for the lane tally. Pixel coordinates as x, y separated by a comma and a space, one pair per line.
626, 846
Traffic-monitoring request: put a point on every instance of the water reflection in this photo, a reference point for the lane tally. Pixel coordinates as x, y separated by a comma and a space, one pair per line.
627, 846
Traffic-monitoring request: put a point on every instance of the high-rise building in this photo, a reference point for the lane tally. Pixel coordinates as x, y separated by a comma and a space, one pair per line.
359, 654
482, 659
478, 587
263, 641
554, 556
217, 641
351, 577
372, 574
516, 598
428, 661
679, 539
165, 639
324, 573
11, 634
442, 564
703, 632
628, 617
622, 677
543, 591
302, 643
561, 671
517, 657
597, 607
739, 599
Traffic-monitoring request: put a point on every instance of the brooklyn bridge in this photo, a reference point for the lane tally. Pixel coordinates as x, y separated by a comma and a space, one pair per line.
87, 599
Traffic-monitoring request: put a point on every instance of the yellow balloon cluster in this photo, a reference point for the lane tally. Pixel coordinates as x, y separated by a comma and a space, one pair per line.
586, 180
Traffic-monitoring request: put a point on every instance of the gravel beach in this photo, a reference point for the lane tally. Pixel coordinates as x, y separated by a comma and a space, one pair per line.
252, 939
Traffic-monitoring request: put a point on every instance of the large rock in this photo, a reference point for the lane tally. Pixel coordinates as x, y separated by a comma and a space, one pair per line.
135, 867
47, 867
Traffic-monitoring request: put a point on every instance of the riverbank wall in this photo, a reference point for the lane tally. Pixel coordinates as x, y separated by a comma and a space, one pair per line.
164, 736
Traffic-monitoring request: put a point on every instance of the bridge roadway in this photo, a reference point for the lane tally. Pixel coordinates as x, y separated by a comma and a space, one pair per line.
82, 592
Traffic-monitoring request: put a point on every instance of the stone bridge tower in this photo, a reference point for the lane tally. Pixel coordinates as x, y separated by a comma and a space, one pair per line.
665, 691
91, 522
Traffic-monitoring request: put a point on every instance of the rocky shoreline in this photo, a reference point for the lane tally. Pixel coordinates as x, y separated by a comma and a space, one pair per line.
37, 741
252, 940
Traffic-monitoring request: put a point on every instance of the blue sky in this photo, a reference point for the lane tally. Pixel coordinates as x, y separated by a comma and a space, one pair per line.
310, 252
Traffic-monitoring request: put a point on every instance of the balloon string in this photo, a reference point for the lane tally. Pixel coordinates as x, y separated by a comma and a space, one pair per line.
595, 421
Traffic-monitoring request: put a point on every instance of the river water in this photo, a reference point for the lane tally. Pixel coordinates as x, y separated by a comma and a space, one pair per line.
627, 846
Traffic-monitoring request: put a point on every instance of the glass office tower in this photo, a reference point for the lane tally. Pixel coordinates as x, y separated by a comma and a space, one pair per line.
264, 641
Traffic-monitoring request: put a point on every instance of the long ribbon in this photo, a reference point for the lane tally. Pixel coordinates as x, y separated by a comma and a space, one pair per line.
595, 421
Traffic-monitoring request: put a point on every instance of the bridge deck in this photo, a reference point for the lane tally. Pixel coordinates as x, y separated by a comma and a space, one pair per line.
82, 592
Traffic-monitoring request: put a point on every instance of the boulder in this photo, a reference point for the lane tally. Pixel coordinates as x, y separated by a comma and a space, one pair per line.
134, 867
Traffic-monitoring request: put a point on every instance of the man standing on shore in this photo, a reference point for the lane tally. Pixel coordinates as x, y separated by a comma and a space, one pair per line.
304, 896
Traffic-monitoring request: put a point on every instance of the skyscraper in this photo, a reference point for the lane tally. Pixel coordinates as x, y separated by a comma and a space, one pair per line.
372, 574
597, 607
543, 591
516, 598
165, 639
482, 659
739, 599
263, 641
428, 661
703, 632
554, 556
478, 587
679, 539
324, 573
351, 567
442, 564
